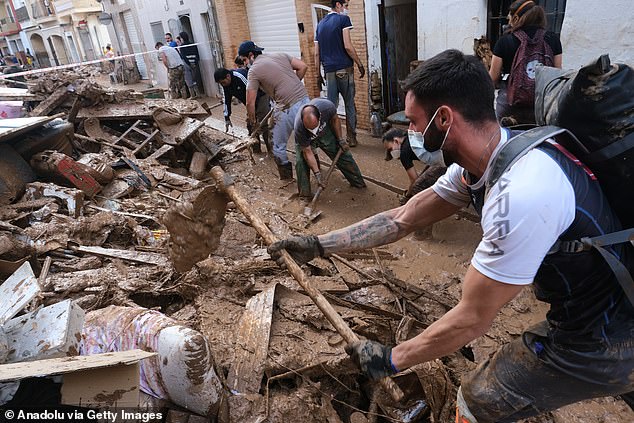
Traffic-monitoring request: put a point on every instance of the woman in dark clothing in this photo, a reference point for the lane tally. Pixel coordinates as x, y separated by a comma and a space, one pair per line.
526, 17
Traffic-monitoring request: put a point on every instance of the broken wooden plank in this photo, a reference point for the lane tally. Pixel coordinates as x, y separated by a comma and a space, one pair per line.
11, 128
51, 102
18, 94
322, 283
58, 366
252, 343
135, 256
17, 291
128, 111
158, 153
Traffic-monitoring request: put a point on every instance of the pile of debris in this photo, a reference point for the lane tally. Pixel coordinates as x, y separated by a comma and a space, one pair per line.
108, 197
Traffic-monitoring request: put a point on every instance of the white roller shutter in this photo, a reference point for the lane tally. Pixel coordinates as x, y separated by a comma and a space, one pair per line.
273, 25
137, 47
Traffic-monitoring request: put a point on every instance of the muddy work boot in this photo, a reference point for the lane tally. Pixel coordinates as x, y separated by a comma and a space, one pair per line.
351, 137
256, 147
286, 171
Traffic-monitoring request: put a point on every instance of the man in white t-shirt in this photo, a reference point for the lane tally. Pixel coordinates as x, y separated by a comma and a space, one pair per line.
175, 69
585, 348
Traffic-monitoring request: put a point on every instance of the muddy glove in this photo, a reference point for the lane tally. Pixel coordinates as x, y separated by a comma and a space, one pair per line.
404, 199
228, 124
343, 144
374, 359
361, 71
319, 179
302, 248
320, 82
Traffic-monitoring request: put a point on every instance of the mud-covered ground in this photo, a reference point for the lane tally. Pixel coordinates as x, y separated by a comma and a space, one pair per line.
435, 263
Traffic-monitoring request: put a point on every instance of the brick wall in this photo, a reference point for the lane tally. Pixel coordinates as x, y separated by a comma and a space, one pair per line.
307, 45
234, 28
357, 15
233, 23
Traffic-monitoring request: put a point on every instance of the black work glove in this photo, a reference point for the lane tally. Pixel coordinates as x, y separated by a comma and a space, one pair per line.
320, 180
228, 124
343, 144
373, 358
302, 248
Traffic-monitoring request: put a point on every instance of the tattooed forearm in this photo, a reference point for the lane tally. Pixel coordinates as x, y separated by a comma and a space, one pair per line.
377, 230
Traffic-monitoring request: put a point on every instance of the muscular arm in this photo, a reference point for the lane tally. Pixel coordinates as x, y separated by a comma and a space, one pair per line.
335, 125
317, 58
496, 69
411, 173
422, 210
482, 298
251, 96
558, 61
299, 67
164, 60
347, 44
310, 158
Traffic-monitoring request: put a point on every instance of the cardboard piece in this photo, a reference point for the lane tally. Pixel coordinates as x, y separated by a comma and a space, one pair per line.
101, 380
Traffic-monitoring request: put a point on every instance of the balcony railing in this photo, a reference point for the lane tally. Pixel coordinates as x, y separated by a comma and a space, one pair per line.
22, 14
42, 9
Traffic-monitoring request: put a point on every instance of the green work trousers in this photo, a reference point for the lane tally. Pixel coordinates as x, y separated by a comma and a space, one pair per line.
328, 143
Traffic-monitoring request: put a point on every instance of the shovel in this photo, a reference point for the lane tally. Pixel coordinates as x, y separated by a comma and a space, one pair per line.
225, 184
308, 210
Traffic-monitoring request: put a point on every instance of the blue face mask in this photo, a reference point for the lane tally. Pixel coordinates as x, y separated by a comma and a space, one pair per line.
417, 143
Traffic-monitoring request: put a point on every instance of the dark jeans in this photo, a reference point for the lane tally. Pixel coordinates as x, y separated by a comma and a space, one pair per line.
342, 82
512, 115
346, 164
531, 376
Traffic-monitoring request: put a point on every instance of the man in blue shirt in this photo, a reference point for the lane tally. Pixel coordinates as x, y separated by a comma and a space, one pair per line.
334, 49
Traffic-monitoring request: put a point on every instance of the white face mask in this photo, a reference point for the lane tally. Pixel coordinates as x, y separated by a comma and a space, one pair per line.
417, 143
395, 153
345, 11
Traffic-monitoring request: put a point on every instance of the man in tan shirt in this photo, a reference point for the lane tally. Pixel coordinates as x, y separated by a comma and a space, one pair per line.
278, 75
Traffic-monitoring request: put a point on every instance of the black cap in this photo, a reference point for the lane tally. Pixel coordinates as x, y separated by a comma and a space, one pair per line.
248, 47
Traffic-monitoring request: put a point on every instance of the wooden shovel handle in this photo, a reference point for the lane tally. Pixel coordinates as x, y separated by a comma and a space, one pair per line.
298, 274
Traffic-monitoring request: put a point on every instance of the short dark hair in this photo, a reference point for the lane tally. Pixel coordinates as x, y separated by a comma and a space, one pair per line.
220, 74
528, 14
334, 3
158, 45
169, 33
238, 61
454, 79
394, 133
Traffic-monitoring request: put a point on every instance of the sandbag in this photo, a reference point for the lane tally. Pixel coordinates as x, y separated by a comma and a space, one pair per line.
182, 372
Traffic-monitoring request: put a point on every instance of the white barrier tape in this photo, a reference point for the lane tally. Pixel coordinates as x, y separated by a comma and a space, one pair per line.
89, 62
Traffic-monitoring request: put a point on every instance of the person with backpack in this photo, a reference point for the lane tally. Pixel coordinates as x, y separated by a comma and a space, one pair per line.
515, 56
534, 209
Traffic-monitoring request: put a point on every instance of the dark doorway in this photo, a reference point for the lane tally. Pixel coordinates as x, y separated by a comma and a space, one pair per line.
185, 25
398, 48
499, 10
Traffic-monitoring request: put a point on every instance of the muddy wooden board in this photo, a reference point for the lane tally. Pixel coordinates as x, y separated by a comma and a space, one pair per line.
10, 128
135, 256
59, 366
322, 283
129, 111
252, 344
17, 291
17, 94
